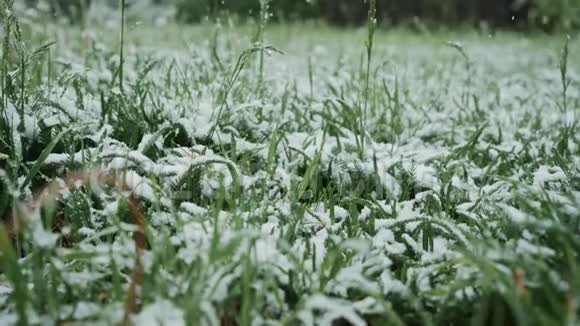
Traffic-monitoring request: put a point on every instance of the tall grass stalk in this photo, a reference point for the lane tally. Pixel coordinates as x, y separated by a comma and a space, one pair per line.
564, 73
7, 17
13, 142
22, 64
371, 28
228, 86
122, 47
3, 71
263, 20
466, 95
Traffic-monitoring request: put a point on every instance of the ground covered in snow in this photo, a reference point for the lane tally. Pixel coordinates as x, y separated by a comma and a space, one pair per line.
277, 187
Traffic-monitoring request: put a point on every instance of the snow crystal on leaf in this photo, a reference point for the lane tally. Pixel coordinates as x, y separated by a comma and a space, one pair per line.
514, 214
385, 239
160, 313
524, 247
139, 185
546, 174
426, 177
43, 238
331, 309
351, 277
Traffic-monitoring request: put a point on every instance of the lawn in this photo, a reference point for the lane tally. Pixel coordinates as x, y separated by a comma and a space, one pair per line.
294, 175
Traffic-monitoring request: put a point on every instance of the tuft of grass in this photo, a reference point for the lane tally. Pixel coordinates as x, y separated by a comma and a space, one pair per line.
206, 193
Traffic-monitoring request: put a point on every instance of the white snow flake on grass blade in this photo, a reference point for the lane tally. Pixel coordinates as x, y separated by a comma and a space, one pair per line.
526, 248
322, 310
139, 185
5, 291
546, 174
351, 278
514, 214
42, 237
385, 240
160, 313
8, 318
426, 177
84, 310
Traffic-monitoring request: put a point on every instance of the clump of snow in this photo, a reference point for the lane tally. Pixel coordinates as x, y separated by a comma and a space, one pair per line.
332, 309
546, 174
162, 312
43, 238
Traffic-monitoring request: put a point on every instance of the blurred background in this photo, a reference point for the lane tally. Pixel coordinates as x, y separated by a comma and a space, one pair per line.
523, 15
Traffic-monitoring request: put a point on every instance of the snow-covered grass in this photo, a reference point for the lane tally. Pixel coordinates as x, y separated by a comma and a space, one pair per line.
438, 185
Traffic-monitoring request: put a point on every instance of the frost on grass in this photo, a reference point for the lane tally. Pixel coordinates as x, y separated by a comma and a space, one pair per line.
276, 212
